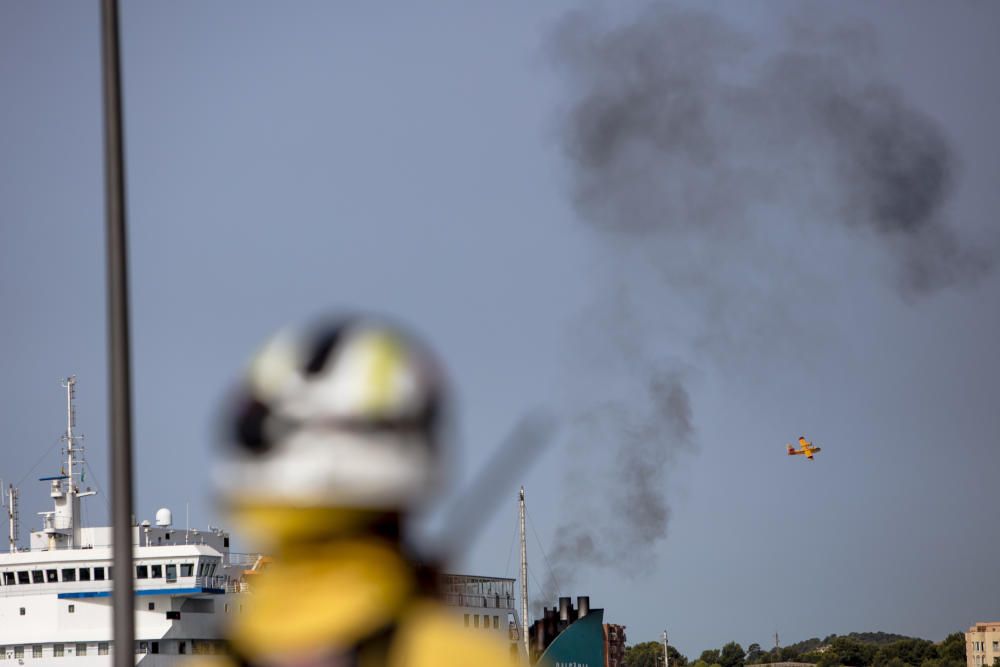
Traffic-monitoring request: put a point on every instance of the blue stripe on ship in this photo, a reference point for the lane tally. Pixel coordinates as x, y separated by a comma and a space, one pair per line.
147, 591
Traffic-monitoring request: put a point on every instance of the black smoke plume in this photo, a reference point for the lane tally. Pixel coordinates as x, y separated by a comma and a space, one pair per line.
716, 159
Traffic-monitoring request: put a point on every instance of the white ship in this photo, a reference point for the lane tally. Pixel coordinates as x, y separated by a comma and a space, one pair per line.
55, 596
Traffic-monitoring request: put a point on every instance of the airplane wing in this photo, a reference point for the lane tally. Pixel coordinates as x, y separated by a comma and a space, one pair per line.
803, 442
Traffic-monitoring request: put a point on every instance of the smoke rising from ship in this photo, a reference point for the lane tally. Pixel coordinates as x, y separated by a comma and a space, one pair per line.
697, 152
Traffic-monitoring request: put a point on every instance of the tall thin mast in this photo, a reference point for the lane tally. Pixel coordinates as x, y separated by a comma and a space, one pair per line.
70, 385
666, 654
12, 517
524, 577
119, 368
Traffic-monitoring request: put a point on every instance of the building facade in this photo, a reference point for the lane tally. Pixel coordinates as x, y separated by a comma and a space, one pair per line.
982, 644
614, 645
485, 603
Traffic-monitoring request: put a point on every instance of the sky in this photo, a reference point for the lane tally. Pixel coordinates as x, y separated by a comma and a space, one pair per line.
432, 164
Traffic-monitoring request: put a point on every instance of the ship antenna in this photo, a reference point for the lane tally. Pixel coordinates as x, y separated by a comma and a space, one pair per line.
13, 520
70, 439
524, 575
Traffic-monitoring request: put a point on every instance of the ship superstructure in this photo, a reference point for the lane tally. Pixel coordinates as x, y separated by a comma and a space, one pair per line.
55, 596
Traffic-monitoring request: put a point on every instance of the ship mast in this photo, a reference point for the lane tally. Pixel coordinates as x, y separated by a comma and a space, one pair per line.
524, 577
12, 517
68, 437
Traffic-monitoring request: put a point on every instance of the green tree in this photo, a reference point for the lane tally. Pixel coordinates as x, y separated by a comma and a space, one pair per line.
646, 654
711, 656
952, 649
677, 659
754, 653
851, 652
732, 655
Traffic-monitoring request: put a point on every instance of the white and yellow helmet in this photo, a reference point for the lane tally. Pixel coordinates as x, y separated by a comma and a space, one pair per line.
345, 415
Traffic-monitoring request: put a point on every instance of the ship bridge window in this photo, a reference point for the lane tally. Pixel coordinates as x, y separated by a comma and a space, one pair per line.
157, 572
98, 574
81, 649
171, 573
187, 569
22, 577
8, 578
69, 574
52, 576
37, 577
36, 650
57, 650
141, 572
84, 574
18, 652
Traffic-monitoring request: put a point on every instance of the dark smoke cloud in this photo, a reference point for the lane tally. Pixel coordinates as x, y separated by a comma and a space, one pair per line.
685, 138
636, 442
680, 126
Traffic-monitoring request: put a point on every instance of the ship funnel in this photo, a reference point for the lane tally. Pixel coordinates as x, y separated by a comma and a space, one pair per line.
164, 517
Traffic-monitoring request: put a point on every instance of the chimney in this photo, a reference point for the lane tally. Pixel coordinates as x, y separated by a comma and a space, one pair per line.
565, 604
583, 605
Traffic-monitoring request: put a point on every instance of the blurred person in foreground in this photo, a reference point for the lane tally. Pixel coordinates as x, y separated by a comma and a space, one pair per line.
335, 436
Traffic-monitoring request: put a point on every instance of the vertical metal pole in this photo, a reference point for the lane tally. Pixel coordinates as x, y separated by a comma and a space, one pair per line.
666, 654
524, 578
119, 374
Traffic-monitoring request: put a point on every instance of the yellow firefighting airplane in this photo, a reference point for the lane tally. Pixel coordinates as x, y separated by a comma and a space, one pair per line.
807, 448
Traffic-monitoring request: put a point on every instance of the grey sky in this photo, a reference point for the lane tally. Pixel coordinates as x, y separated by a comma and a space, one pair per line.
286, 161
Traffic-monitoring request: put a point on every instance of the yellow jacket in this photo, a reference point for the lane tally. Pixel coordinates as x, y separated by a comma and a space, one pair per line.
357, 604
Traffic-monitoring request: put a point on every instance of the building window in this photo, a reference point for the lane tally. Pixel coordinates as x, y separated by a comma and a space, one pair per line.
142, 648
36, 651
84, 574
154, 647
156, 572
141, 572
171, 573
3, 652
19, 653
102, 648
225, 542
81, 649
52, 576
98, 574
475, 620
57, 650
996, 646
72, 609
187, 569
69, 574
37, 577
22, 611
22, 577
173, 616
496, 622
8, 578
182, 647
466, 620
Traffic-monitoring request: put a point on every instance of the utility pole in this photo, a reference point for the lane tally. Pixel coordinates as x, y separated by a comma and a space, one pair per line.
524, 577
666, 654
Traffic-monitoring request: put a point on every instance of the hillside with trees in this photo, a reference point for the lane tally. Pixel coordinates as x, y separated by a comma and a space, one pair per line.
857, 649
